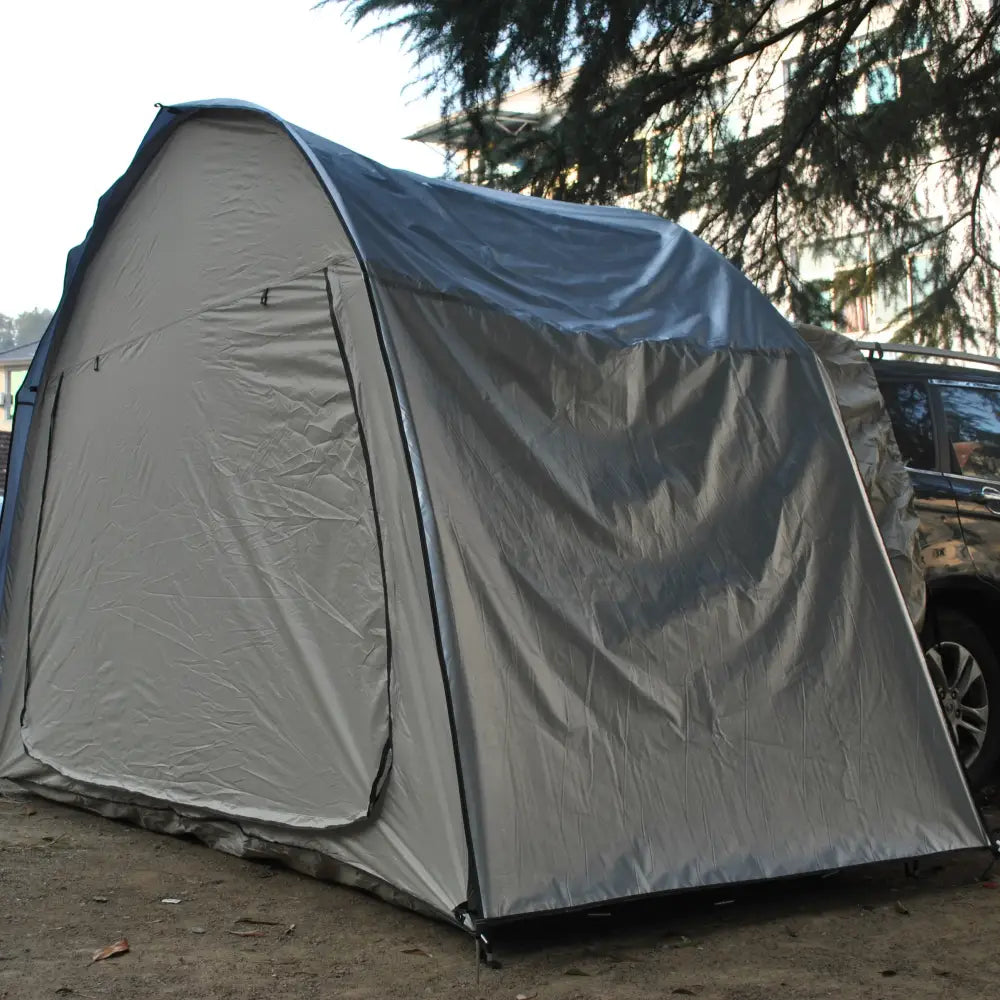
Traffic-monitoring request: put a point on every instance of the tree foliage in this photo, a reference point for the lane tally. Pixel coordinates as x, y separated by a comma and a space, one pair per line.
8, 332
30, 325
777, 129
24, 328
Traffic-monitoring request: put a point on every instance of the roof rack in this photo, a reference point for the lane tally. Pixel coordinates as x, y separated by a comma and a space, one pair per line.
876, 351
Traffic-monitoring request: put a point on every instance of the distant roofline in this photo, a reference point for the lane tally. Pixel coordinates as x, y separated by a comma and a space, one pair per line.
451, 127
22, 352
458, 125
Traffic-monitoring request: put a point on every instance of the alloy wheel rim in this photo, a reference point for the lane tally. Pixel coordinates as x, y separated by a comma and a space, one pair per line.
961, 686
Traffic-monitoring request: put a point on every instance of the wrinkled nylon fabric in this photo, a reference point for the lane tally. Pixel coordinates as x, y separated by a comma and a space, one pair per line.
613, 274
178, 353
678, 650
886, 481
616, 483
208, 595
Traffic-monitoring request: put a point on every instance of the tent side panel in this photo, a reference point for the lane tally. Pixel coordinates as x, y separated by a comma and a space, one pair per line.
207, 594
24, 524
227, 207
222, 174
679, 636
419, 840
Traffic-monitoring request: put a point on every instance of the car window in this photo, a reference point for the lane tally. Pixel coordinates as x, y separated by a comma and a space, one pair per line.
909, 409
972, 414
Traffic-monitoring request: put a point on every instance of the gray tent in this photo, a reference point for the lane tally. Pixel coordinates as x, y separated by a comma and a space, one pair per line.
501, 555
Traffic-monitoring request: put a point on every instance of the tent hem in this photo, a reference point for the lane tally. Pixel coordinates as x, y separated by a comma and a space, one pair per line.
227, 835
638, 898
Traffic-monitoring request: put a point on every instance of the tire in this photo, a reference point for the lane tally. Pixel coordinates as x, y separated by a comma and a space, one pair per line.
966, 675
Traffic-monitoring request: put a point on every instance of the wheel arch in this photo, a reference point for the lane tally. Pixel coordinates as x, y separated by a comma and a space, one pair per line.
971, 595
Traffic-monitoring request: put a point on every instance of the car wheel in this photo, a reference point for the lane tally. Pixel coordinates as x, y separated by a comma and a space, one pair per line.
966, 676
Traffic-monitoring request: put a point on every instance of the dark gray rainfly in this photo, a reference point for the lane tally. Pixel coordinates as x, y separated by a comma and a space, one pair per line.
499, 555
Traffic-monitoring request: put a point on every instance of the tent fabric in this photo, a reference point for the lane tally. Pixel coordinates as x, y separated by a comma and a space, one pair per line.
257, 563
262, 534
468, 547
880, 464
417, 798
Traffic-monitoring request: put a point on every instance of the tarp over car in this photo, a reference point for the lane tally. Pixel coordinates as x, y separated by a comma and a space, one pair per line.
883, 473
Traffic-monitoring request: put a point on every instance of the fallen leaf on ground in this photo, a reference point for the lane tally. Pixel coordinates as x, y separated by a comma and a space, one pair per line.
99, 899
901, 908
118, 948
290, 929
575, 972
686, 991
170, 899
416, 951
526, 996
678, 941
197, 930
257, 920
939, 971
248, 933
888, 972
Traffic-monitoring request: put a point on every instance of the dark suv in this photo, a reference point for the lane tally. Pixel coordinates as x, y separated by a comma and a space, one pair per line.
946, 418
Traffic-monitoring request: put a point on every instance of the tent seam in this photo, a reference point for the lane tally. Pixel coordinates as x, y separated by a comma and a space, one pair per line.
208, 308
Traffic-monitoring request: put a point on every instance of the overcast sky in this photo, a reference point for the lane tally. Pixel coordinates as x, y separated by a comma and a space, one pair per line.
79, 78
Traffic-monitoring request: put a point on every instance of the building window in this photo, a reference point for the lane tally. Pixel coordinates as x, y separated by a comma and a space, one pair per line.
11, 383
855, 314
840, 270
730, 121
790, 68
664, 151
919, 278
881, 85
892, 302
634, 166
850, 299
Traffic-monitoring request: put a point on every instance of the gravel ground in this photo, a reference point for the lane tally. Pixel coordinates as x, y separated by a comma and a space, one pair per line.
71, 883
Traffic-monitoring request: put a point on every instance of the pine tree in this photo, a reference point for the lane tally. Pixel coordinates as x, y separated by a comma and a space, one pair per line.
782, 131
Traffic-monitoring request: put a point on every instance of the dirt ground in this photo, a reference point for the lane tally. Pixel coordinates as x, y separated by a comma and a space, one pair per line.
71, 883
